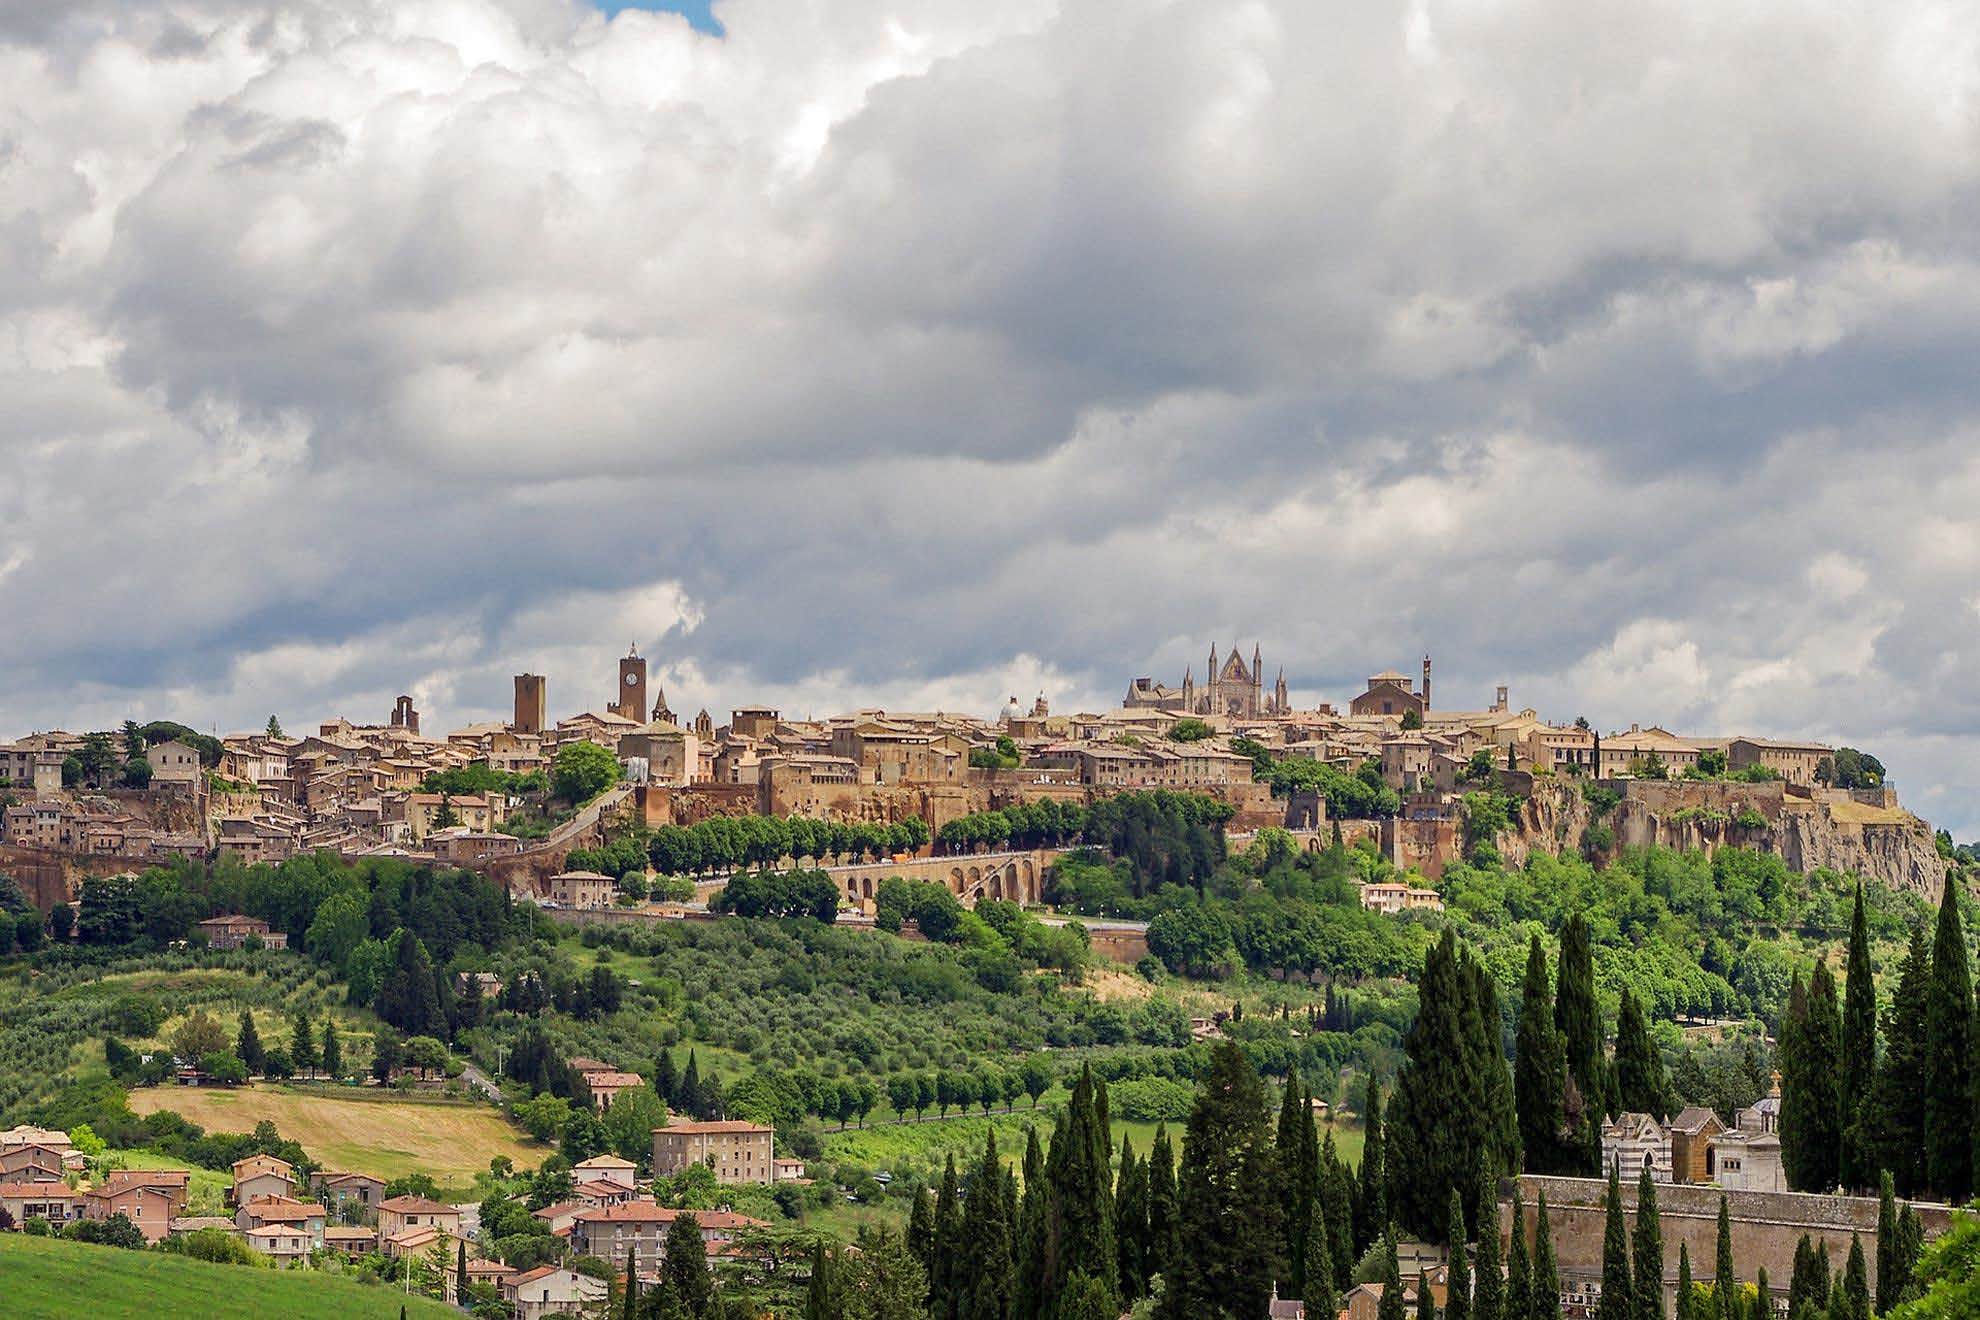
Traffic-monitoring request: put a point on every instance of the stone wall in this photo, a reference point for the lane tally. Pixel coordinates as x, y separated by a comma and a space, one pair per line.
1765, 1226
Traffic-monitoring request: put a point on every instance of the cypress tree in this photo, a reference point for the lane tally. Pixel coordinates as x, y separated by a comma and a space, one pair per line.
1080, 1220
1639, 1067
1823, 1275
247, 1045
1033, 1213
945, 1281
1824, 1065
1164, 1215
1426, 1301
1687, 1301
460, 1273
1488, 1297
1802, 1288
1887, 1245
1539, 1070
1725, 1283
1131, 1222
818, 1299
1546, 1285
1894, 1117
1856, 1283
1457, 1296
986, 1290
1296, 1187
1519, 1270
690, 1089
1948, 1021
1648, 1251
1229, 1197
684, 1269
1317, 1279
1579, 1017
302, 1042
1911, 1240
1390, 1307
1491, 1079
1450, 1118
666, 1082
921, 1231
1337, 1190
1371, 1210
1859, 1052
333, 1050
1618, 1295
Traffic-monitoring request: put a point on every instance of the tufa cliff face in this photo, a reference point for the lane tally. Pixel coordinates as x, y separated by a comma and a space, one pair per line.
1862, 833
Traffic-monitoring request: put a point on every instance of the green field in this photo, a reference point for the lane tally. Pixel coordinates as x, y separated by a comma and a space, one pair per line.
48, 1279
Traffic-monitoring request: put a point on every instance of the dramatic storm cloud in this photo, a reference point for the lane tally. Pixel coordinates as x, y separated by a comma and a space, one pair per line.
925, 353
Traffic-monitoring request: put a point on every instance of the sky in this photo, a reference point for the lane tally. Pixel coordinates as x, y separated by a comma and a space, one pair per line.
922, 355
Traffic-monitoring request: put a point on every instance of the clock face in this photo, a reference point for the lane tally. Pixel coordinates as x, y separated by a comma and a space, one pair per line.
632, 680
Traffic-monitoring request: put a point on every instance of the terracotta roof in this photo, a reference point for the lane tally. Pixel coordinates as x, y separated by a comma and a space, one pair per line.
416, 1205
40, 1190
633, 1212
720, 1125
604, 1162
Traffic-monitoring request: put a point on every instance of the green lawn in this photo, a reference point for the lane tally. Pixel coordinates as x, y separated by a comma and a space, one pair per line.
48, 1279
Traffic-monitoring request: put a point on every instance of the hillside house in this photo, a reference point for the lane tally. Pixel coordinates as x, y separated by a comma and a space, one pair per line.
738, 1152
259, 1176
552, 1290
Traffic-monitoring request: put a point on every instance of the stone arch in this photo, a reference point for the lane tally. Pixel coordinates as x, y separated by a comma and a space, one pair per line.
866, 885
956, 879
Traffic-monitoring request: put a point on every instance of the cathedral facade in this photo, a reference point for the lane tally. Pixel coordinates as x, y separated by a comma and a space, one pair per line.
1231, 689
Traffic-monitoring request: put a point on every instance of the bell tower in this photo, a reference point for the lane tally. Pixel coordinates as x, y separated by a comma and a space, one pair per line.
632, 688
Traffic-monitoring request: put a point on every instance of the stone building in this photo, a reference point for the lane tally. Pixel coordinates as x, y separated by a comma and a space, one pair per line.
738, 1152
1231, 690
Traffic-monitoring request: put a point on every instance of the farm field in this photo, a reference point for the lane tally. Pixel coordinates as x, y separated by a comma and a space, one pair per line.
49, 1279
385, 1137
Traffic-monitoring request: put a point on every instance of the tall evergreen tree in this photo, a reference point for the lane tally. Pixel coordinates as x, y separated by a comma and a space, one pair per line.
1371, 1208
1488, 1295
1426, 1300
1910, 1241
1618, 1293
1390, 1305
1639, 1067
1337, 1190
1296, 1184
946, 1282
1317, 1279
819, 1301
1859, 1053
684, 1268
460, 1273
247, 1045
1450, 1119
1804, 1290
1032, 1229
1540, 1071
1546, 1285
1948, 1064
333, 1050
1489, 1077
1887, 1243
1579, 1017
1894, 1116
1687, 1297
302, 1042
1856, 1283
1811, 1108
1519, 1268
1080, 1218
688, 1095
1131, 1222
1457, 1294
989, 1281
1725, 1281
667, 1082
1229, 1195
1647, 1242
920, 1237
1164, 1214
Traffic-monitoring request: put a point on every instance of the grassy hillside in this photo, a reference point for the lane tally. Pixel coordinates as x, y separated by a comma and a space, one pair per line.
385, 1137
48, 1279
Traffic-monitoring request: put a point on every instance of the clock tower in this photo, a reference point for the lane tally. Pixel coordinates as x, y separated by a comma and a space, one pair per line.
631, 702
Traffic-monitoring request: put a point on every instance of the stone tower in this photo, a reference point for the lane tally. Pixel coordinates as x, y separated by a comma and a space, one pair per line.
404, 716
530, 705
631, 703
1426, 681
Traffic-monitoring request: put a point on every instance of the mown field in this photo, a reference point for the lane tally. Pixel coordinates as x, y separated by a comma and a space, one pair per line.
48, 1279
385, 1137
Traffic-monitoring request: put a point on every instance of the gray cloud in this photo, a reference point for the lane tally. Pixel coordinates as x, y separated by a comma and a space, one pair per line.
923, 354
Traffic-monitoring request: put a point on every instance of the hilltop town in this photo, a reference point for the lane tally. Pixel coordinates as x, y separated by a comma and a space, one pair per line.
1418, 780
